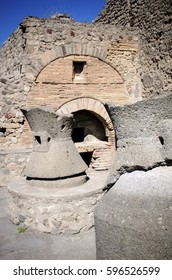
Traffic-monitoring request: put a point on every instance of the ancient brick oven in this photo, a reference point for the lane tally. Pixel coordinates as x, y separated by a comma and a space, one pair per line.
76, 84
93, 132
74, 68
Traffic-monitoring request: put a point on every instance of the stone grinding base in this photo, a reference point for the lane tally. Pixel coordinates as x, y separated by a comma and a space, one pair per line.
56, 210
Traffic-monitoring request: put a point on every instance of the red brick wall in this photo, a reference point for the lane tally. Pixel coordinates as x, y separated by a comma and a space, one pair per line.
56, 84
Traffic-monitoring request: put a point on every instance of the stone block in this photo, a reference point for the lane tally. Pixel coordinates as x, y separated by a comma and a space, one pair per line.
133, 220
165, 137
135, 154
147, 81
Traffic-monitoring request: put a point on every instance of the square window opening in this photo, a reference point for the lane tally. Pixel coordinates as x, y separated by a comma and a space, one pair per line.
78, 67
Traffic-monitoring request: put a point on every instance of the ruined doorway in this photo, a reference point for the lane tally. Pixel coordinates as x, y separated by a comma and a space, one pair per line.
93, 132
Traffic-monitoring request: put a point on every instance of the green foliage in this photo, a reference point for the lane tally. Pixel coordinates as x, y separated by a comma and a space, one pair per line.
21, 229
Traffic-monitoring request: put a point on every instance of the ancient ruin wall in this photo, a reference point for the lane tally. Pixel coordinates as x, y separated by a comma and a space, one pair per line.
58, 83
13, 88
33, 47
37, 42
154, 21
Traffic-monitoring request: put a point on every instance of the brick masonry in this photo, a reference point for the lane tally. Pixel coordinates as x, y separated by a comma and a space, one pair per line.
40, 45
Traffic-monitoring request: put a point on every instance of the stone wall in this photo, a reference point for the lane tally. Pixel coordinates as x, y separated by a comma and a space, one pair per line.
115, 12
153, 20
55, 210
13, 89
41, 42
12, 164
143, 136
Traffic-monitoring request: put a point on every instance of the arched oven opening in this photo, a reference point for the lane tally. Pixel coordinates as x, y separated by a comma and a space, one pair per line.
89, 136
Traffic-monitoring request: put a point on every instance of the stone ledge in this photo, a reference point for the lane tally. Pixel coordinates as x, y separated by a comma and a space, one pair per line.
6, 151
56, 210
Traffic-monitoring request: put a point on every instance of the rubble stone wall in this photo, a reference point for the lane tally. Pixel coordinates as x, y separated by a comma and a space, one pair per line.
12, 164
153, 20
143, 136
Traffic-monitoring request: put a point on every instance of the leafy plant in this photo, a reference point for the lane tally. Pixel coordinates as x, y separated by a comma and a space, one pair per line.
21, 229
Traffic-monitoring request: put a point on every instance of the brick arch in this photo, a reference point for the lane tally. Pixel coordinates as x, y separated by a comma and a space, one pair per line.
93, 105
56, 83
103, 156
86, 103
54, 90
42, 60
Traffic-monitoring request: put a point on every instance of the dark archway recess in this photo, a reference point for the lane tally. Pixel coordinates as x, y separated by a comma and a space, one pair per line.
93, 131
87, 130
87, 123
78, 134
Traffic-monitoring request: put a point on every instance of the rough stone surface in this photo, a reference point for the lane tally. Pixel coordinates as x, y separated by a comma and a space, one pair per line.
165, 137
142, 118
90, 118
143, 136
56, 210
12, 163
34, 245
54, 154
153, 20
133, 220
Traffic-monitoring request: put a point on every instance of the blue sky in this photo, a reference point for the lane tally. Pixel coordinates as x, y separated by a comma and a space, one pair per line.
12, 12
